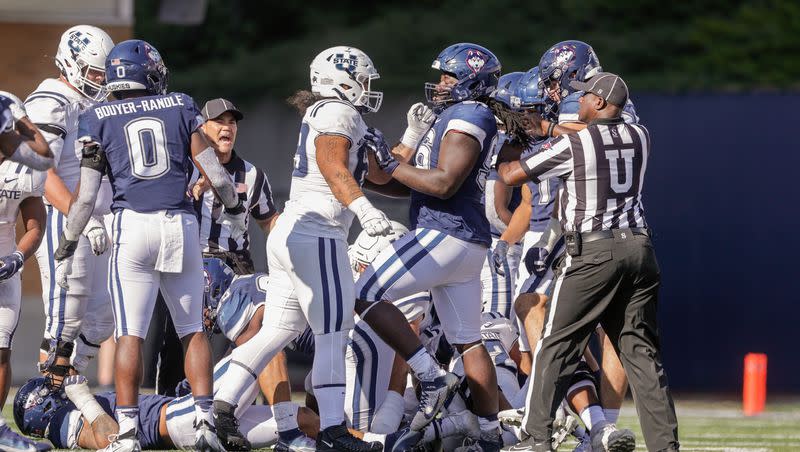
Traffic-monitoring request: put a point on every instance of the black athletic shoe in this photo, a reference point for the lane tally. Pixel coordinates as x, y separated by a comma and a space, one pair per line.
228, 427
338, 438
529, 444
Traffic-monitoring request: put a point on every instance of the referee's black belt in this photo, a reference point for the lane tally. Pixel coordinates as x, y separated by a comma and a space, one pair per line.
609, 234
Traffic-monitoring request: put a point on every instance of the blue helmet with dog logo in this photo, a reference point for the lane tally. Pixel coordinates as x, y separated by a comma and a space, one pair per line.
475, 67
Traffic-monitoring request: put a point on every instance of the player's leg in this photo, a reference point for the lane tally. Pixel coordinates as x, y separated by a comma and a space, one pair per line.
632, 326
283, 321
133, 285
459, 312
183, 295
613, 381
369, 363
64, 309
98, 321
413, 263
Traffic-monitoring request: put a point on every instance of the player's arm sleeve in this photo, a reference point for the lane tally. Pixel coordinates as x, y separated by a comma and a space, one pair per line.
93, 165
554, 161
334, 118
49, 115
263, 204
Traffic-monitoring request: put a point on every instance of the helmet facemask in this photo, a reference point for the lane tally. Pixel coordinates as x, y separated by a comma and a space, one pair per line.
369, 100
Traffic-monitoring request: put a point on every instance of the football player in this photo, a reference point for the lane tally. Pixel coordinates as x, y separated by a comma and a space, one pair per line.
146, 141
21, 193
78, 318
446, 176
500, 203
310, 281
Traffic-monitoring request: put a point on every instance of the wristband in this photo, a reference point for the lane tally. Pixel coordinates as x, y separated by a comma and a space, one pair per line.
411, 138
236, 210
359, 204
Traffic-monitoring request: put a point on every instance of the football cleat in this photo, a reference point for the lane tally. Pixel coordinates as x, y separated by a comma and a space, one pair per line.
584, 444
608, 438
530, 444
338, 438
228, 427
511, 417
403, 440
12, 441
563, 428
300, 443
205, 438
433, 395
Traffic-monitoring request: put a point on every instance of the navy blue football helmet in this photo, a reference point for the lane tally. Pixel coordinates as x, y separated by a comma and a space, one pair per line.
565, 62
35, 405
136, 65
218, 277
506, 90
475, 67
529, 91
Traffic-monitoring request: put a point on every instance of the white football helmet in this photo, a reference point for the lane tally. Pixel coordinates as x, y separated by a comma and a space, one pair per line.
346, 73
366, 248
84, 48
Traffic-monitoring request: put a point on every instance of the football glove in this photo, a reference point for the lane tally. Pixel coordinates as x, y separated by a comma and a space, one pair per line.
95, 231
420, 118
383, 155
235, 219
372, 220
10, 265
499, 258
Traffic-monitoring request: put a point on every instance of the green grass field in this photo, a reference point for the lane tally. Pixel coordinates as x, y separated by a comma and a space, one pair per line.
710, 425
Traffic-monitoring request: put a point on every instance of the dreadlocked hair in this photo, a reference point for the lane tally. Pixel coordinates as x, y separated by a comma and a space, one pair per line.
302, 99
515, 122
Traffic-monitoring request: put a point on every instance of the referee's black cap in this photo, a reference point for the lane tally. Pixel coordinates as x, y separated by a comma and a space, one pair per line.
216, 107
609, 86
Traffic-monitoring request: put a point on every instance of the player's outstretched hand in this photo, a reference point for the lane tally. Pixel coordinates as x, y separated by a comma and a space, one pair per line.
235, 220
372, 220
420, 118
10, 265
499, 258
536, 261
376, 142
95, 231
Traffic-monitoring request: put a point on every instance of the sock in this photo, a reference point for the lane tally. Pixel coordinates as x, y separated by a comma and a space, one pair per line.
328, 376
2, 421
387, 418
286, 418
424, 366
490, 426
370, 437
592, 415
202, 409
611, 415
231, 393
127, 418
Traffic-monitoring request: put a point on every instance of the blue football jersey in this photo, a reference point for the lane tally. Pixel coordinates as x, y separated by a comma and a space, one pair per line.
569, 106
543, 194
462, 215
147, 142
516, 192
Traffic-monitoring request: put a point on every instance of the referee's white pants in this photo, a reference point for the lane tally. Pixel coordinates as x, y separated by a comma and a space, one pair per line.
428, 259
81, 314
137, 240
497, 291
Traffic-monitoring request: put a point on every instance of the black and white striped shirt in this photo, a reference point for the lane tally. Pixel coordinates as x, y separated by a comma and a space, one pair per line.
603, 169
248, 180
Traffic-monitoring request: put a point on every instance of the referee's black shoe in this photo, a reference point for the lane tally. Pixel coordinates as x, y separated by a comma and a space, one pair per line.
338, 438
228, 427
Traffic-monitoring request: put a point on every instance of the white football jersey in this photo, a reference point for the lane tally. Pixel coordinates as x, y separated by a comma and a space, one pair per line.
17, 182
312, 208
55, 107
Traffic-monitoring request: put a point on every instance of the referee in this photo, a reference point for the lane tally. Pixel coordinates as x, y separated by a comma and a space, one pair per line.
609, 274
221, 126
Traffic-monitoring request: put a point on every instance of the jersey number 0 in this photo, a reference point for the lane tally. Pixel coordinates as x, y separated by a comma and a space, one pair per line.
147, 148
